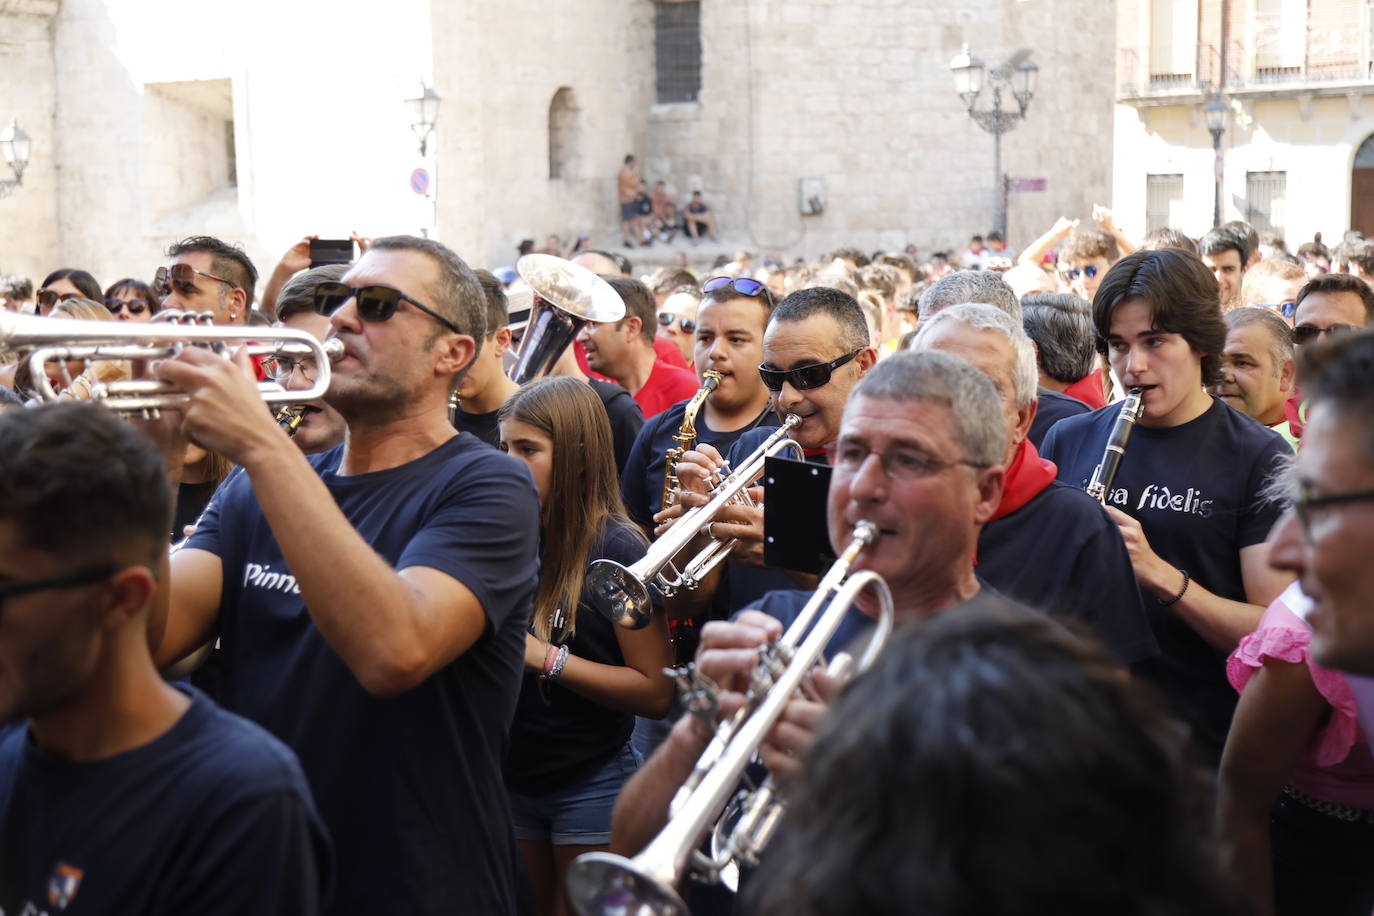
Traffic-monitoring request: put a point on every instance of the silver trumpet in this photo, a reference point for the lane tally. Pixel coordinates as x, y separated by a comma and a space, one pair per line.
602, 884
566, 297
49, 339
621, 593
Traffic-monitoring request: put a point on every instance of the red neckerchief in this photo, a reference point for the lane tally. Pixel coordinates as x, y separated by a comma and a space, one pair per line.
1088, 389
1027, 476
1293, 411
815, 452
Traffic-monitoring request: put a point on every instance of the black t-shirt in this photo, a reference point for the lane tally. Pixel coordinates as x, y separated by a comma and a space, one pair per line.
410, 786
211, 817
625, 415
641, 482
560, 737
1060, 553
1194, 488
1052, 408
481, 425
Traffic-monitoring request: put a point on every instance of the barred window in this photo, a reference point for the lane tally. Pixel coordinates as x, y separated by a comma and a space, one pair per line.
1264, 195
677, 49
1163, 196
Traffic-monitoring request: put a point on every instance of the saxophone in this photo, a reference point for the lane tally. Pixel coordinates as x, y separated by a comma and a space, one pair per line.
290, 418
686, 435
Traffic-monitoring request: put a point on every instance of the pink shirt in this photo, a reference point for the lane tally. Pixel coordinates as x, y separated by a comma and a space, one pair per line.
1337, 765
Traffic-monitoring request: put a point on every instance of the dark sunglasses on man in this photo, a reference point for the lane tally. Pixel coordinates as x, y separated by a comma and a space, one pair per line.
374, 303
47, 298
1073, 273
1305, 334
667, 319
135, 306
182, 278
742, 285
806, 377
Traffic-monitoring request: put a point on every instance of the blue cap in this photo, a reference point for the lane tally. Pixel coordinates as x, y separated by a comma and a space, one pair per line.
506, 275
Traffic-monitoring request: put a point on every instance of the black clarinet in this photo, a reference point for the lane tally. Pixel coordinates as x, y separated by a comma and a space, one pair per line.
1100, 487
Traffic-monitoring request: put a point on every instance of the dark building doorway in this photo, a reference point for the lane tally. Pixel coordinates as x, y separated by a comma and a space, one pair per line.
1362, 189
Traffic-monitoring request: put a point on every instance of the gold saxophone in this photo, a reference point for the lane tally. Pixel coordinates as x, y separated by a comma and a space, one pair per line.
686, 435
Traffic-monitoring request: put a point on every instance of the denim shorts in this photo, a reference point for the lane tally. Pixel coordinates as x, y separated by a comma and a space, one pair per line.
579, 815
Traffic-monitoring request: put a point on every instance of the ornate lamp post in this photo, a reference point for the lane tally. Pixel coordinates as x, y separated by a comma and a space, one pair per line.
1015, 75
1218, 116
424, 109
15, 147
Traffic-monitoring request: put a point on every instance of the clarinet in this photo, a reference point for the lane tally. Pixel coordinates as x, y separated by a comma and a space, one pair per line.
1100, 487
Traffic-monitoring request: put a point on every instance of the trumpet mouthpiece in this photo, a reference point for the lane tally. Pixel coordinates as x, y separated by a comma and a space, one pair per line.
334, 349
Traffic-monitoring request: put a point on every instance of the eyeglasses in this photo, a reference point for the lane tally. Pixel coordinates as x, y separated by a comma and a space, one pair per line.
1304, 505
87, 575
135, 306
742, 285
806, 377
898, 464
375, 303
1306, 334
182, 278
50, 297
281, 368
1286, 309
666, 320
1073, 273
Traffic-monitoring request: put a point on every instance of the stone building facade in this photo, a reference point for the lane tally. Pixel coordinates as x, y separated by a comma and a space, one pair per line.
154, 119
1296, 155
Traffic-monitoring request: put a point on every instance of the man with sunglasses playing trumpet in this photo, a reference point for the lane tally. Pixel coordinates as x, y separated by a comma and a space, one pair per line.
371, 600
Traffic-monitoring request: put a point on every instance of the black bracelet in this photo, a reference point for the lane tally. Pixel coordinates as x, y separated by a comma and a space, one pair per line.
1174, 600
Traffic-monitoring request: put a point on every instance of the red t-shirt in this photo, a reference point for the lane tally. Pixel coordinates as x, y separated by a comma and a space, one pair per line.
665, 386
664, 349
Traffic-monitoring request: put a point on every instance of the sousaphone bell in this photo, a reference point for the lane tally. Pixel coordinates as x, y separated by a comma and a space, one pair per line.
566, 297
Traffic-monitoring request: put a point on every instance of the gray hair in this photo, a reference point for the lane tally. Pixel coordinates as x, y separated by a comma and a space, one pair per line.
983, 286
974, 409
1025, 377
1061, 326
460, 300
1280, 338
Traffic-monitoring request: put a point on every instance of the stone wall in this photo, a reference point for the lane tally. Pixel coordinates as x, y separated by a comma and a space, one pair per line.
28, 216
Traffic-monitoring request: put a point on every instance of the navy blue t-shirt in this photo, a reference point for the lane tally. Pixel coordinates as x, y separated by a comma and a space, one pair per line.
625, 415
1194, 488
409, 786
1061, 554
211, 817
641, 483
560, 737
1052, 408
482, 425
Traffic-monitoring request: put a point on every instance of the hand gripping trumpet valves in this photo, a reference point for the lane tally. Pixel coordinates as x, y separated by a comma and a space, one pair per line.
602, 884
621, 593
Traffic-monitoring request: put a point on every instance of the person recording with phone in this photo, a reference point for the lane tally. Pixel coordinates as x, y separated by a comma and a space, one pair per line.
371, 600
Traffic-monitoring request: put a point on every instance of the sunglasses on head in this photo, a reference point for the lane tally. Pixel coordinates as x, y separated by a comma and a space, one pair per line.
1286, 309
1073, 273
182, 278
135, 306
806, 377
742, 285
1306, 334
50, 297
374, 303
666, 320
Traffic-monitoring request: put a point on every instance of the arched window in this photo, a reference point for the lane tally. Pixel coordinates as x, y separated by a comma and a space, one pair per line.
565, 122
1364, 156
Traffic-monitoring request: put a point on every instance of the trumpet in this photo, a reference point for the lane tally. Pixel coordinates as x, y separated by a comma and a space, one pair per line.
1100, 487
601, 884
621, 593
58, 339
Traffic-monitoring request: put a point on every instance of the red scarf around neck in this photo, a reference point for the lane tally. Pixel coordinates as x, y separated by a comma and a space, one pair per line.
1088, 389
1027, 476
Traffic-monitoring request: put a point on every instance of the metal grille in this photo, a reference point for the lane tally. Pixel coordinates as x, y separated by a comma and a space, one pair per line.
1264, 195
1163, 194
677, 48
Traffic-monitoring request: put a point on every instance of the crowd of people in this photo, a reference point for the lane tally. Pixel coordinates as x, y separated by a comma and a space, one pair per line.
345, 655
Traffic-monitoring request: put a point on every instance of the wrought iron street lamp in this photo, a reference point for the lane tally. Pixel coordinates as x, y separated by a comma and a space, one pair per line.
1015, 75
15, 147
424, 109
1218, 115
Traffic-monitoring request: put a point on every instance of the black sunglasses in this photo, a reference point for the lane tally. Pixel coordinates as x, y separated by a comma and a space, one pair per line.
182, 278
1306, 334
375, 303
666, 320
136, 306
742, 285
806, 377
52, 297
85, 576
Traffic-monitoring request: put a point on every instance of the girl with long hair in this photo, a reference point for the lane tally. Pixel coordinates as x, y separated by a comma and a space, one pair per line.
585, 678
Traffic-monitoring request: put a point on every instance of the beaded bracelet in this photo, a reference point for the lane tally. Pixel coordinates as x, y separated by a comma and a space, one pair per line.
1174, 600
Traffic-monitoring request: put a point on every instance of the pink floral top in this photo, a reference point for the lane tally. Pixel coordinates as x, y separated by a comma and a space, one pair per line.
1337, 765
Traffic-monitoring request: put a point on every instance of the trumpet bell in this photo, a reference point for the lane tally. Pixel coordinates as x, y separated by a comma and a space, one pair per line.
619, 594
566, 297
600, 883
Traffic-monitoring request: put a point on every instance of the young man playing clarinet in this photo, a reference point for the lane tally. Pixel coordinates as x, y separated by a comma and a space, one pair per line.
1187, 493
